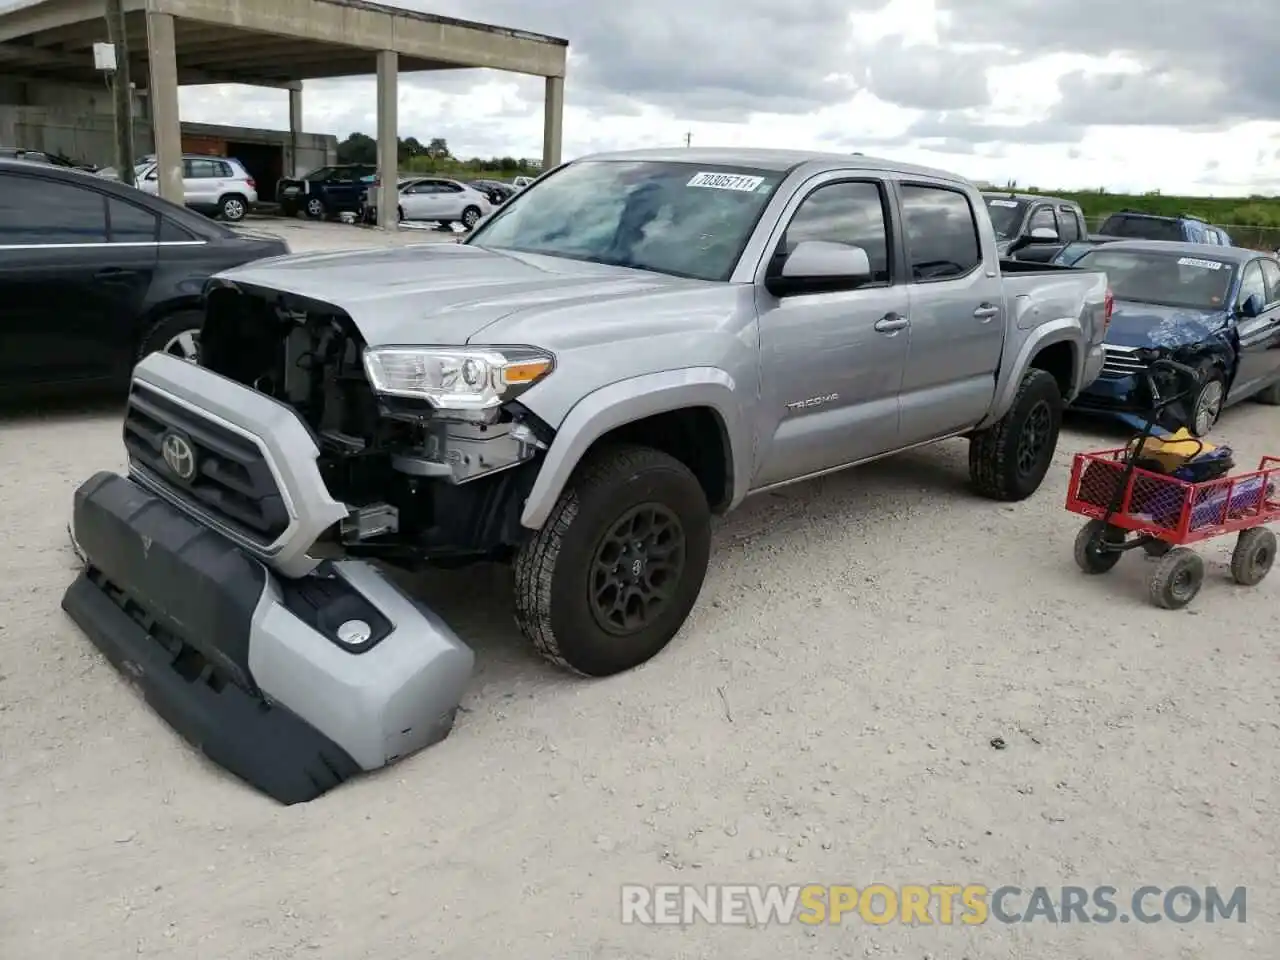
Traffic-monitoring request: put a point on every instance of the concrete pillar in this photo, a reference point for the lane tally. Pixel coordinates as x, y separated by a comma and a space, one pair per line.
388, 142
295, 127
552, 122
163, 94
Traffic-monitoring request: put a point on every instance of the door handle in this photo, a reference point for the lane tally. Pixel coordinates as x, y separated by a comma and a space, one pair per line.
986, 311
891, 323
114, 273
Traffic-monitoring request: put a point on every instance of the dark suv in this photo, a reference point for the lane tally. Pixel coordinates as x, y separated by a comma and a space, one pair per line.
1033, 225
1134, 225
324, 192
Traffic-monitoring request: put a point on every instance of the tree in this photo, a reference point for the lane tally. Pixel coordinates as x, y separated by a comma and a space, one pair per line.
358, 148
438, 149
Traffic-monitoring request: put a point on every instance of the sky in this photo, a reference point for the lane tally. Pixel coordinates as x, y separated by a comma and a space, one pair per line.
1169, 95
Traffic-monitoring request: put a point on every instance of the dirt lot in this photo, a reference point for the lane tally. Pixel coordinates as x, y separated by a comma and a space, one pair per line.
825, 716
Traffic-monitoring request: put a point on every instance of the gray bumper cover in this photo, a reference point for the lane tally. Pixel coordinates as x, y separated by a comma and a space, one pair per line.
237, 645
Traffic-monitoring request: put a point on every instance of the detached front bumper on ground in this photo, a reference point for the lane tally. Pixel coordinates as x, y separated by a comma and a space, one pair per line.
292, 682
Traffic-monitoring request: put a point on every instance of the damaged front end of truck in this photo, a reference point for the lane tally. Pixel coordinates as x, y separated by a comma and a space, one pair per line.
229, 573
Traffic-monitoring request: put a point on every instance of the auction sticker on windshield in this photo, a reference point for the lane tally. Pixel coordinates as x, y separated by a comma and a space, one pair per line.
725, 181
1197, 262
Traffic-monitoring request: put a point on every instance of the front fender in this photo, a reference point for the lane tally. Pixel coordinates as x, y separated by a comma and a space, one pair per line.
634, 399
1062, 330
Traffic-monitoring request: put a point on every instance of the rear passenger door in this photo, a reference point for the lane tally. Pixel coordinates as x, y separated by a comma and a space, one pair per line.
957, 310
831, 362
1259, 336
70, 296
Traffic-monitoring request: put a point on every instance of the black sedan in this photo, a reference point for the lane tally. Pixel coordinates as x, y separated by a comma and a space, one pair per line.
497, 191
95, 274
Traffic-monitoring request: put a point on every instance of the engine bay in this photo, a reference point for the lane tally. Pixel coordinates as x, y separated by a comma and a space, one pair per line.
423, 485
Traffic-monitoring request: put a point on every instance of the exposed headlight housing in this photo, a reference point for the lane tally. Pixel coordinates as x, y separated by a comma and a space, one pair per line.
456, 378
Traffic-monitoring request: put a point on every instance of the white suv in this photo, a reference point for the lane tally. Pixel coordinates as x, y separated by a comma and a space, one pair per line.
214, 185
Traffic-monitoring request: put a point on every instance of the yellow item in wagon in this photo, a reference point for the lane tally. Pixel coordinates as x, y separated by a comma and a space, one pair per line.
1173, 451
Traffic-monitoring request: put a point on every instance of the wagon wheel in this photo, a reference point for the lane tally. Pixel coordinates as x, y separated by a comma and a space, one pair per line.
1253, 556
1176, 579
1092, 555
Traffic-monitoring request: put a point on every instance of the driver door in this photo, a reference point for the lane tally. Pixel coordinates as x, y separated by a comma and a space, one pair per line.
832, 362
1259, 362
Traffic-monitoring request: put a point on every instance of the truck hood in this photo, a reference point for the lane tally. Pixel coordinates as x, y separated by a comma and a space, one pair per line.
447, 293
1151, 325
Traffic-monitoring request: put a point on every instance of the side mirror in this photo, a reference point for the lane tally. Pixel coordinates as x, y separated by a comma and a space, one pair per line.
1252, 306
820, 265
1044, 235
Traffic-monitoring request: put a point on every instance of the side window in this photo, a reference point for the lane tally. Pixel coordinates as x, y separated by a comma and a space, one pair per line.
203, 169
849, 213
170, 232
223, 170
1043, 217
130, 224
34, 211
1271, 277
1252, 283
446, 187
941, 233
1068, 225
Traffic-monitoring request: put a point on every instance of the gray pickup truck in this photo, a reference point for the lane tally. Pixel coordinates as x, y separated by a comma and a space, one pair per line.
633, 344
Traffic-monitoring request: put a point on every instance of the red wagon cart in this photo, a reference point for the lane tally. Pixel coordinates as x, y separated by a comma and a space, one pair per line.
1134, 508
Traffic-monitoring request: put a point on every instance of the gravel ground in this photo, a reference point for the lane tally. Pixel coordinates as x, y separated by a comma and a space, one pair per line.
825, 716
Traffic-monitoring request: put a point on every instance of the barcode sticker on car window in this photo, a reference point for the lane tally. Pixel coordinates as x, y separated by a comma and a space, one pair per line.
1002, 203
725, 181
1197, 262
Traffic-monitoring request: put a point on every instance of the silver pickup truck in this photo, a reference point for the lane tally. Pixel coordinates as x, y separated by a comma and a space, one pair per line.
633, 344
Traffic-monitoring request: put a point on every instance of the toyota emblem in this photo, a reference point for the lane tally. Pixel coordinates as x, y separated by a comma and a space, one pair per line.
178, 456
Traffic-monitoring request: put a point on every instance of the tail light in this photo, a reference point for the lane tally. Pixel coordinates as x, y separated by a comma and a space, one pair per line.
249, 182
1108, 304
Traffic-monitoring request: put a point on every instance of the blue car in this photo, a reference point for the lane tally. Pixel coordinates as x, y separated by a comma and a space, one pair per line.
1134, 225
1211, 307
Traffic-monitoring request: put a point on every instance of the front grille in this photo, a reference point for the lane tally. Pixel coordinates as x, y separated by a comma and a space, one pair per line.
1119, 362
232, 481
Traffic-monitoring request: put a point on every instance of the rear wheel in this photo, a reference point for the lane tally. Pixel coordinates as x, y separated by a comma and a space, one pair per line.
1270, 396
1253, 556
233, 208
470, 217
1009, 459
316, 209
1092, 555
289, 210
614, 572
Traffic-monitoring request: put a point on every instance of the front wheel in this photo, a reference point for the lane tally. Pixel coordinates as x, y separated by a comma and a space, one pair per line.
1176, 579
614, 572
177, 335
1206, 408
1008, 460
316, 209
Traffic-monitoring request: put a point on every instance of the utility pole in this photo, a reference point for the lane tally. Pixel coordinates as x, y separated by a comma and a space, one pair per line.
122, 88
688, 138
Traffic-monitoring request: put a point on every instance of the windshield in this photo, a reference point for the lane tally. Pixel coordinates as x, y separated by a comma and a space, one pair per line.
1005, 215
681, 219
1073, 252
1167, 279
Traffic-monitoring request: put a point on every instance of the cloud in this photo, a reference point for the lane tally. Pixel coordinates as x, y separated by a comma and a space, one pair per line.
1065, 92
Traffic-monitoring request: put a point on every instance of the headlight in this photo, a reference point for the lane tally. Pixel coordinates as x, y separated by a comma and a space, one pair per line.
456, 378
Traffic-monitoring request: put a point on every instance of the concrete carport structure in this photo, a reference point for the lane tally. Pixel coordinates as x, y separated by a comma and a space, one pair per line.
276, 43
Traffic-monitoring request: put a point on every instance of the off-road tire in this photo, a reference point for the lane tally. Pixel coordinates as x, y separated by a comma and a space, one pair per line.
993, 452
1089, 557
1156, 548
1253, 556
1176, 579
551, 597
1269, 396
167, 328
233, 207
